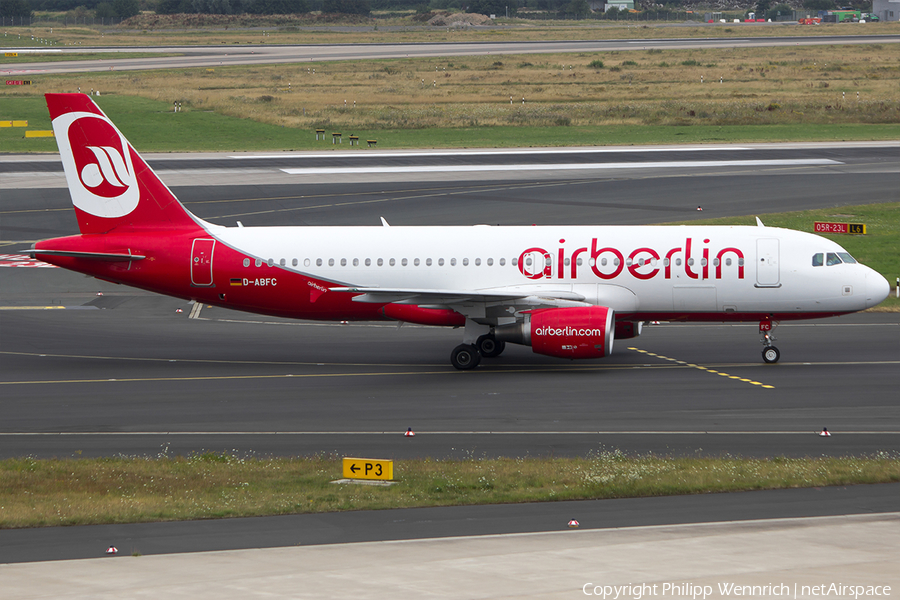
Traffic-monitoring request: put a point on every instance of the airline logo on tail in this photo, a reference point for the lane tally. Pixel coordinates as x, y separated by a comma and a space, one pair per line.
97, 161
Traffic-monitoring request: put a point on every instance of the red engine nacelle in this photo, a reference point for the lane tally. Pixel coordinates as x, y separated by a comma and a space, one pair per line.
580, 332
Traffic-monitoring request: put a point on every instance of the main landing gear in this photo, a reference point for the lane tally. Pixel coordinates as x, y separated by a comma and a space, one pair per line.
770, 353
467, 356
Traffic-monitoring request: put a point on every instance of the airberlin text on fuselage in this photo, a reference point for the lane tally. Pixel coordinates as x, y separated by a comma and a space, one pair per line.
643, 263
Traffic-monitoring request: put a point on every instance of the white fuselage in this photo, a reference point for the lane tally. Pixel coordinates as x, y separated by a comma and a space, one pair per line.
632, 269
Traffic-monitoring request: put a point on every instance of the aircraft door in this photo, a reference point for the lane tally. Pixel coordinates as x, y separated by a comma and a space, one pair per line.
201, 263
767, 269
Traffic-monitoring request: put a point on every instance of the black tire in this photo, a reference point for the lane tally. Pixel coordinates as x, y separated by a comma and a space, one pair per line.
465, 357
771, 354
489, 347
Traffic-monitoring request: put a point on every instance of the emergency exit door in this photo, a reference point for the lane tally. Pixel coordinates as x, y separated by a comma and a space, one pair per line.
201, 263
767, 270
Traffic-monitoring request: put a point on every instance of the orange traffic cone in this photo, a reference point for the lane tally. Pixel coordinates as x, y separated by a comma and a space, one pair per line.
409, 433
825, 432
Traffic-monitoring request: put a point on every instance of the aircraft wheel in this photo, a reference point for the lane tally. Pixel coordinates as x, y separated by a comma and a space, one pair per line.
465, 356
771, 354
489, 347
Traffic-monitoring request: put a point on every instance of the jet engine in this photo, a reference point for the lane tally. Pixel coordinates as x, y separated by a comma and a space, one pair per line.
580, 332
625, 330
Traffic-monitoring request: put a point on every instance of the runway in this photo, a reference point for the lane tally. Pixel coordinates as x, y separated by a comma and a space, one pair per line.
221, 380
224, 55
124, 372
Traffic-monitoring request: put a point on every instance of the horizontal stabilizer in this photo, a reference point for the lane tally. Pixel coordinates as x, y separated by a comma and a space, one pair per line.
105, 256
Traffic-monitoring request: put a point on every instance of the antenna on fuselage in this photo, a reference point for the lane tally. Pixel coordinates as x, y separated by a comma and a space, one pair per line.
759, 223
384, 222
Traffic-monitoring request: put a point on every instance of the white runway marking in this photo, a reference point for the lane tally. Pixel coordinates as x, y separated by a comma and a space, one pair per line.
499, 152
561, 167
420, 433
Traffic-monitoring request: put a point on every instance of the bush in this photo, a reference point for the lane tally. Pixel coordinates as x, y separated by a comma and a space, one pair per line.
596, 64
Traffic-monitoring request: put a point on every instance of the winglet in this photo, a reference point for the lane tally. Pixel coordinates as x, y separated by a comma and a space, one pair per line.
384, 222
759, 223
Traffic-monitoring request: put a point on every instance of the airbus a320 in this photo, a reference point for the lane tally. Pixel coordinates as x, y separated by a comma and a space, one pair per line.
567, 292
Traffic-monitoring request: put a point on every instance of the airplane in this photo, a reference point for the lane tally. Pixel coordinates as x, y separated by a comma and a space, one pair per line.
566, 291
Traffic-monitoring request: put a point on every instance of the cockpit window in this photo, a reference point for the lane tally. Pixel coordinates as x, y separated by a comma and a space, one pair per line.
818, 259
832, 259
847, 258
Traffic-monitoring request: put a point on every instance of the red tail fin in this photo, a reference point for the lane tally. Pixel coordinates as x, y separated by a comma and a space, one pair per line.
111, 185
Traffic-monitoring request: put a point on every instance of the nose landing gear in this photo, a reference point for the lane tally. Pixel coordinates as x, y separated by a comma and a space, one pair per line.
770, 353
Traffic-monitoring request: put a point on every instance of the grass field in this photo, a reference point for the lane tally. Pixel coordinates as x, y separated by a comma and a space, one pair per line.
825, 93
36, 493
195, 30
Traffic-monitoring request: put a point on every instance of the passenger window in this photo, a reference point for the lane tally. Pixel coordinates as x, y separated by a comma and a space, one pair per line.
452, 262
355, 262
393, 262
343, 262
440, 262
578, 262
477, 262
294, 262
403, 262
847, 258
818, 259
416, 262
490, 262
727, 262
465, 262
832, 259
515, 262
503, 262
427, 262
380, 262
368, 262
271, 262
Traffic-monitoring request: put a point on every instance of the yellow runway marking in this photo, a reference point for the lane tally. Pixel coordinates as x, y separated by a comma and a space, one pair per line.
702, 368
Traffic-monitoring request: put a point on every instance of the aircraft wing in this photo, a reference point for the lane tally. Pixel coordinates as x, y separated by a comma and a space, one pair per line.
455, 297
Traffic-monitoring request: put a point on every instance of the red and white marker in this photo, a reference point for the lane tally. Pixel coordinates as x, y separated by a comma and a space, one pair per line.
409, 433
573, 523
112, 550
699, 208
825, 432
